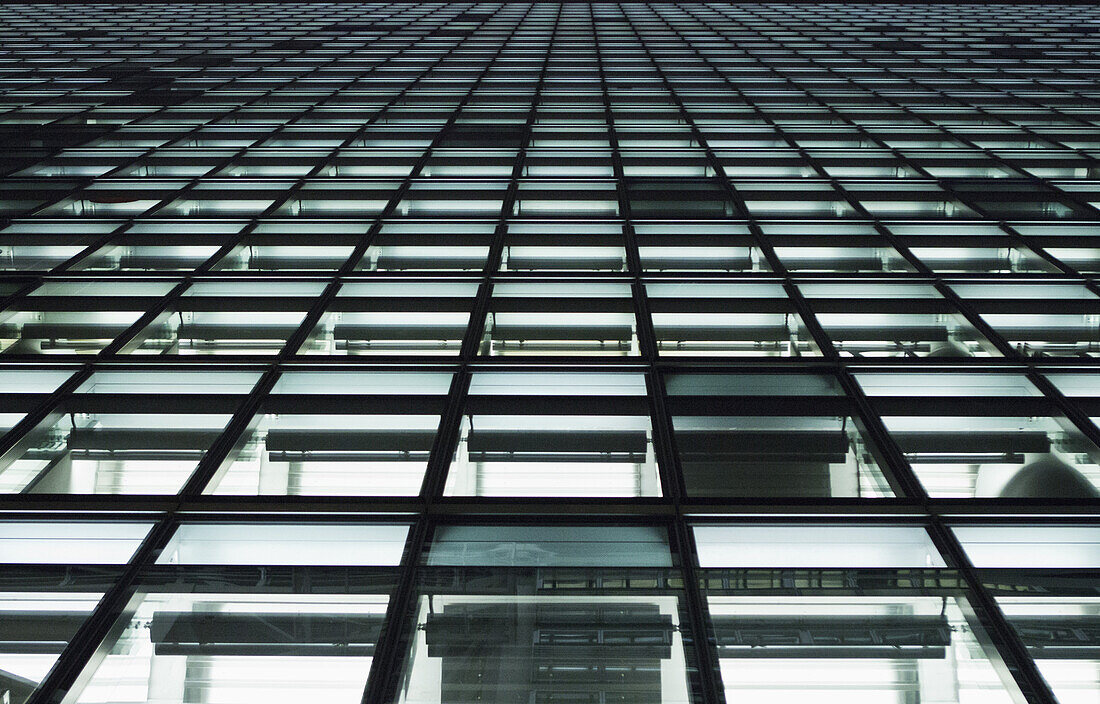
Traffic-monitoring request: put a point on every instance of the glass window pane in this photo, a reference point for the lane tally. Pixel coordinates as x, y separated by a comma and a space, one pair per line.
846, 641
70, 542
893, 320
69, 317
232, 647
160, 252
746, 435
332, 455
953, 384
279, 611
212, 319
55, 575
552, 546
815, 546
339, 434
126, 433
1053, 618
36, 627
284, 544
560, 319
395, 317
842, 259
553, 435
743, 319
998, 456
546, 634
1031, 546
429, 246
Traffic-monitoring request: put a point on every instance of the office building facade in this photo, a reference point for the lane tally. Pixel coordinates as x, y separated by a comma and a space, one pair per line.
549, 353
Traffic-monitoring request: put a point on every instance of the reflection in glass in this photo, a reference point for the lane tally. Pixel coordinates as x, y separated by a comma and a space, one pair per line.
560, 319
896, 649
1049, 334
332, 455
555, 434
219, 332
776, 456
84, 331
596, 635
727, 319
394, 317
560, 333
549, 546
34, 628
69, 543
112, 453
815, 545
319, 543
1031, 545
237, 648
984, 260
904, 335
842, 259
17, 256
733, 334
688, 257
429, 246
279, 256
229, 317
132, 256
541, 455
948, 384
1061, 634
1006, 457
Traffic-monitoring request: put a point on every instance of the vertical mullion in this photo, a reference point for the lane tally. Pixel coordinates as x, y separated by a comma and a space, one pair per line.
899, 473
1065, 406
383, 678
72, 668
978, 322
51, 405
682, 542
703, 640
385, 668
219, 453
1013, 652
643, 321
482, 301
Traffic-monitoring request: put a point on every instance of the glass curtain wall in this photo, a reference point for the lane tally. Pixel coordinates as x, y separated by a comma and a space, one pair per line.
549, 353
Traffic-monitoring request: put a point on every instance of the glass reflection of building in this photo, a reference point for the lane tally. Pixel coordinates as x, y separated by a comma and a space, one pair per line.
549, 353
